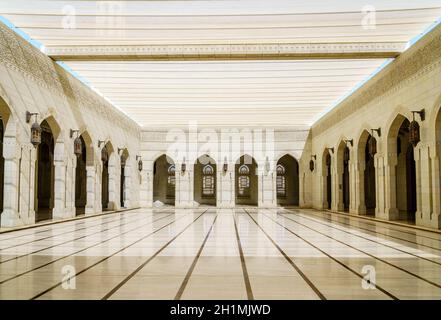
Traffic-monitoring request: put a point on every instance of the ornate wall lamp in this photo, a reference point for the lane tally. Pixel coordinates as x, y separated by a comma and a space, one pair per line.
225, 166
100, 142
138, 158
378, 131
350, 142
35, 129
78, 145
414, 127
312, 163
183, 166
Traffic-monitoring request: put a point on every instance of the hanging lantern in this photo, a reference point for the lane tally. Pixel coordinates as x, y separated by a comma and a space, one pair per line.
123, 161
414, 133
104, 155
78, 146
311, 165
35, 134
140, 165
372, 146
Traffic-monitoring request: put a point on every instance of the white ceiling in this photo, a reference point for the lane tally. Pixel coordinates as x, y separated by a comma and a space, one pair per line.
230, 92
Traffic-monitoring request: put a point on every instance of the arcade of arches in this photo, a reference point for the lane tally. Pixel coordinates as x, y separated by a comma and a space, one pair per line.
376, 154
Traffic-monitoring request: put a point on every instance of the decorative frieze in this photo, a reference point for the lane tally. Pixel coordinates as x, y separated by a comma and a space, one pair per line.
417, 61
18, 54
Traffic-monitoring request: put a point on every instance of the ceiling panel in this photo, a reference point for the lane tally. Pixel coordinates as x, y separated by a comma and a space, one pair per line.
221, 92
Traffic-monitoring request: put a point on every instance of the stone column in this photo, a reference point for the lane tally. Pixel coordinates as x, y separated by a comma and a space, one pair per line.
359, 202
436, 189
379, 186
390, 200
425, 175
98, 187
114, 176
26, 180
10, 216
324, 188
70, 176
267, 197
337, 186
306, 181
59, 211
225, 187
90, 189
127, 186
146, 190
184, 187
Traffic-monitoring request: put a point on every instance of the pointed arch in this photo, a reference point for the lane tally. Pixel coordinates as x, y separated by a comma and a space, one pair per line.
164, 180
81, 179
107, 156
246, 184
342, 177
287, 181
51, 145
402, 170
5, 114
205, 180
367, 190
327, 179
89, 147
124, 178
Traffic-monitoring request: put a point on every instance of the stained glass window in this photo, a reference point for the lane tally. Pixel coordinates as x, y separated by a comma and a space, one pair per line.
208, 181
281, 181
244, 181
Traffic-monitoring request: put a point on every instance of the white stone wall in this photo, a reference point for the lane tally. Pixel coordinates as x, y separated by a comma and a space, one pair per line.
30, 81
411, 82
155, 143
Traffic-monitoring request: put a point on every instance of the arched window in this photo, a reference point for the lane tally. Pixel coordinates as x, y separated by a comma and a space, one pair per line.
244, 181
171, 174
244, 169
208, 181
281, 181
208, 169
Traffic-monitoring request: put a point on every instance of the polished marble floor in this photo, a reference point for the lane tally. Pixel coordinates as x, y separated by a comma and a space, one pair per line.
210, 253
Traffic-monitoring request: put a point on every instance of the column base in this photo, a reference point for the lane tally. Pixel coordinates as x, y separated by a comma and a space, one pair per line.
267, 206
389, 214
361, 210
427, 221
10, 219
58, 214
89, 211
146, 204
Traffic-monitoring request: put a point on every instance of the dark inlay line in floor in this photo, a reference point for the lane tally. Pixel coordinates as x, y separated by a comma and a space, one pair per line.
290, 261
84, 249
366, 253
371, 240
331, 257
106, 258
139, 268
193, 264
